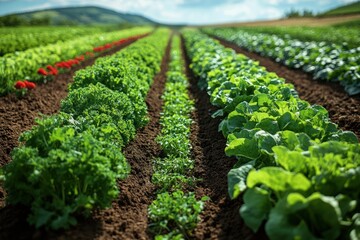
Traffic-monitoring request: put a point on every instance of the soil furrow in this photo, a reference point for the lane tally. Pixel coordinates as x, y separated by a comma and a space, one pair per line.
18, 114
126, 219
343, 109
220, 218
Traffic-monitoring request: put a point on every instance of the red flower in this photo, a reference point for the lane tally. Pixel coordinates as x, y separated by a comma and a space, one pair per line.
98, 49
42, 72
66, 65
80, 58
63, 65
29, 85
20, 84
54, 71
89, 54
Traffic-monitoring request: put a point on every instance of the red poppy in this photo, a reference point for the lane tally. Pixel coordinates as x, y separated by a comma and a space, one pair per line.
29, 85
20, 84
42, 72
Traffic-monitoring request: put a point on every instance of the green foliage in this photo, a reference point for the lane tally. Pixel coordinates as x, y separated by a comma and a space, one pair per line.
94, 100
351, 8
170, 173
132, 77
70, 162
330, 34
297, 217
23, 38
75, 177
24, 64
326, 62
299, 173
296, 13
174, 214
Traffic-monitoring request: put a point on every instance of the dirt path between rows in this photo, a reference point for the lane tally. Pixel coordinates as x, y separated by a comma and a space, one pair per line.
127, 219
18, 114
343, 109
220, 218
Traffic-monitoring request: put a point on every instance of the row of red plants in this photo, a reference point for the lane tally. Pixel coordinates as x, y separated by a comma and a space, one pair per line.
52, 70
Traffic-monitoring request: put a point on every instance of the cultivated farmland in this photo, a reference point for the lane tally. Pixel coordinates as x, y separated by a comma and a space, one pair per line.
197, 133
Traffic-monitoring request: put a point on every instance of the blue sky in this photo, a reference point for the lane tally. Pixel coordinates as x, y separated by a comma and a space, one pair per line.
186, 11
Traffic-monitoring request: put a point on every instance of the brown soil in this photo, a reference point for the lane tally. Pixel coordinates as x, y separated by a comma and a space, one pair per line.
220, 218
343, 109
18, 114
127, 219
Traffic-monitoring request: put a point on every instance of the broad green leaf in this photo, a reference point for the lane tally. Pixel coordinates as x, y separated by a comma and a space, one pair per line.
290, 160
320, 212
278, 180
289, 139
243, 147
283, 225
268, 125
256, 207
284, 120
237, 180
266, 141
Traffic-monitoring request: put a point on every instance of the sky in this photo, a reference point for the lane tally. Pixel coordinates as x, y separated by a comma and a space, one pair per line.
185, 11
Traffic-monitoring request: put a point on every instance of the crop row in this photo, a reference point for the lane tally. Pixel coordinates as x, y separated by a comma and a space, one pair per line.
326, 62
298, 173
25, 64
22, 38
68, 163
174, 214
339, 35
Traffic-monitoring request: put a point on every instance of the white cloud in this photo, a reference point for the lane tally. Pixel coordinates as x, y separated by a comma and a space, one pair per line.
37, 7
347, 1
248, 10
274, 2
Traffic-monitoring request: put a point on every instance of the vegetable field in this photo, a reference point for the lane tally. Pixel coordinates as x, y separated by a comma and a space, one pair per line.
152, 133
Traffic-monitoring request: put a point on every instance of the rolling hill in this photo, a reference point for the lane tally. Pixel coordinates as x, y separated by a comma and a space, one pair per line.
81, 16
352, 8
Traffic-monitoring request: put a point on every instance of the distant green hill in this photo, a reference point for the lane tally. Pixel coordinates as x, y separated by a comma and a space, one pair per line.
351, 8
77, 16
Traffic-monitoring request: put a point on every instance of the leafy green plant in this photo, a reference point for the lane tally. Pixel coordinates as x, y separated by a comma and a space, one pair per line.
330, 62
77, 176
22, 38
174, 214
170, 173
24, 64
298, 173
69, 163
